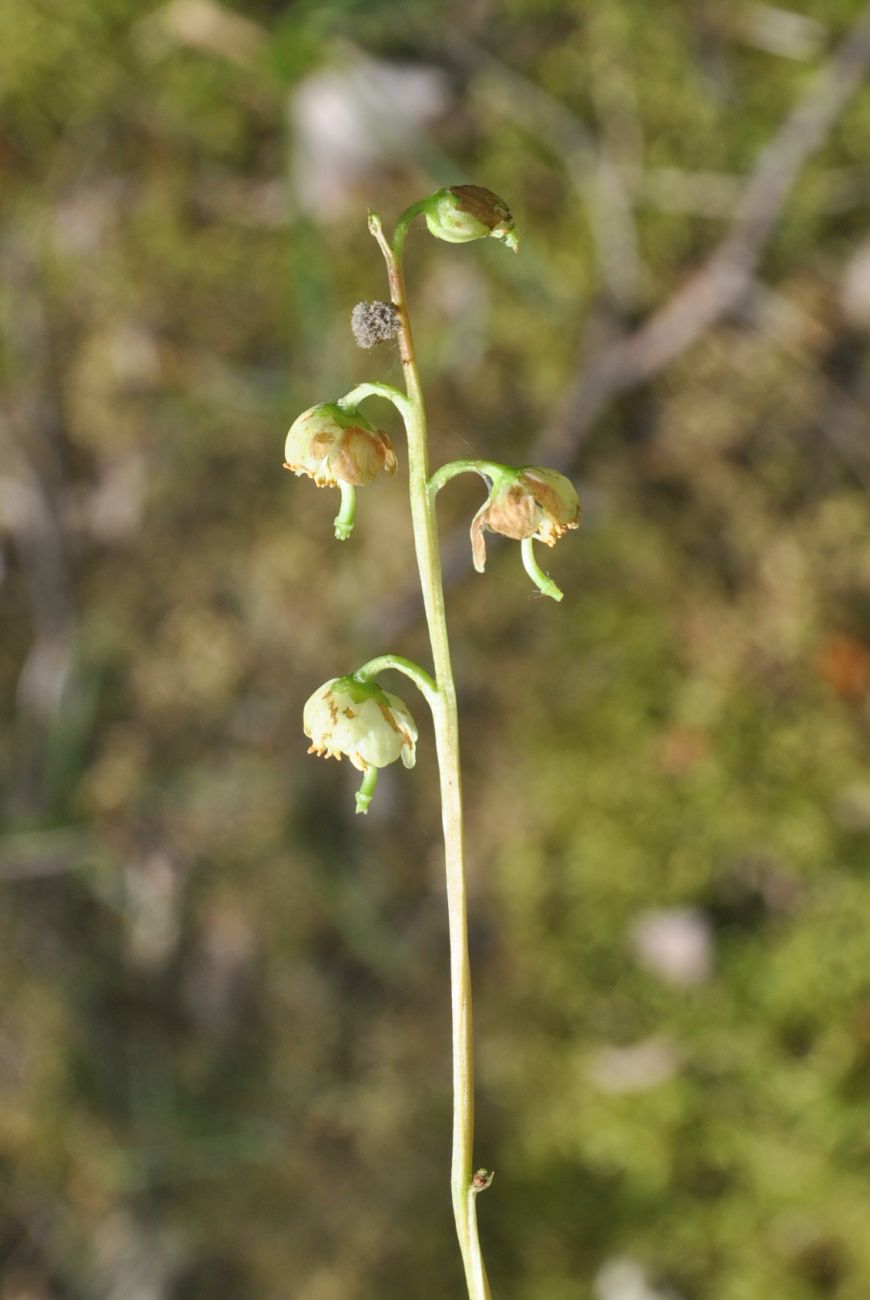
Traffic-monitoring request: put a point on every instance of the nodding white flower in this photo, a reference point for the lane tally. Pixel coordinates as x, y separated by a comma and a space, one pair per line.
334, 445
461, 213
368, 724
526, 502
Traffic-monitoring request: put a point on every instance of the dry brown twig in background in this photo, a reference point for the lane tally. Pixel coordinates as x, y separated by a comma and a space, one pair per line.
718, 286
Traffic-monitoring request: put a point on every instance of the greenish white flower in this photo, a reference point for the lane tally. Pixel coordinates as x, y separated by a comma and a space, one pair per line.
334, 445
461, 213
369, 725
522, 503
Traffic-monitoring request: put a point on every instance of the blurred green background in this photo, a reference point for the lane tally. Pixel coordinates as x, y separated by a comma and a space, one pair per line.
224, 1030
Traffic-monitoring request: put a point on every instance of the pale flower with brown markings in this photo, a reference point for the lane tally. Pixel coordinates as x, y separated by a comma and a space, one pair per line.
461, 213
359, 719
527, 502
334, 445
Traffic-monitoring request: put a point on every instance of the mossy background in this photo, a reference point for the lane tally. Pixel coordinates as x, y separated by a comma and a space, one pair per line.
224, 1033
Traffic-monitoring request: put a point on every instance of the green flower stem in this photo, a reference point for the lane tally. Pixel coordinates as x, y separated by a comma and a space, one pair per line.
537, 575
418, 675
343, 522
446, 723
399, 233
488, 469
356, 395
366, 790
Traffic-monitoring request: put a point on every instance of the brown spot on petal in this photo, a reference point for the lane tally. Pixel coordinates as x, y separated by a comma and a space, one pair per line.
321, 443
482, 204
361, 454
513, 513
388, 717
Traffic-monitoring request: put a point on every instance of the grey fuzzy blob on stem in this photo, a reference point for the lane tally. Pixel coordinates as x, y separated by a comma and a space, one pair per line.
374, 322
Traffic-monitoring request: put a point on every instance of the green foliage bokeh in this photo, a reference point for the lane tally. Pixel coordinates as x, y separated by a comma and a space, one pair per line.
224, 1041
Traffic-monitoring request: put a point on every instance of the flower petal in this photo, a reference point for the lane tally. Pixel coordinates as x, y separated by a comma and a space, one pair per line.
478, 541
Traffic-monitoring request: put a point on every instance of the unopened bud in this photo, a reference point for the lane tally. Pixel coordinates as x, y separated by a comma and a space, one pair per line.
461, 213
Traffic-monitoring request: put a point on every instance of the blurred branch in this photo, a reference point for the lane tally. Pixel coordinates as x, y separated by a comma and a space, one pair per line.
701, 194
27, 514
727, 275
845, 421
30, 434
716, 195
31, 855
779, 31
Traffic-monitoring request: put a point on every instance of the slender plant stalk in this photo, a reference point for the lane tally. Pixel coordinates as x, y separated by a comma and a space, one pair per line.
334, 444
446, 723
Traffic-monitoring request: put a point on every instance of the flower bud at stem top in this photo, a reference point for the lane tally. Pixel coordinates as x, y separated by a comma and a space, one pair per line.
462, 213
